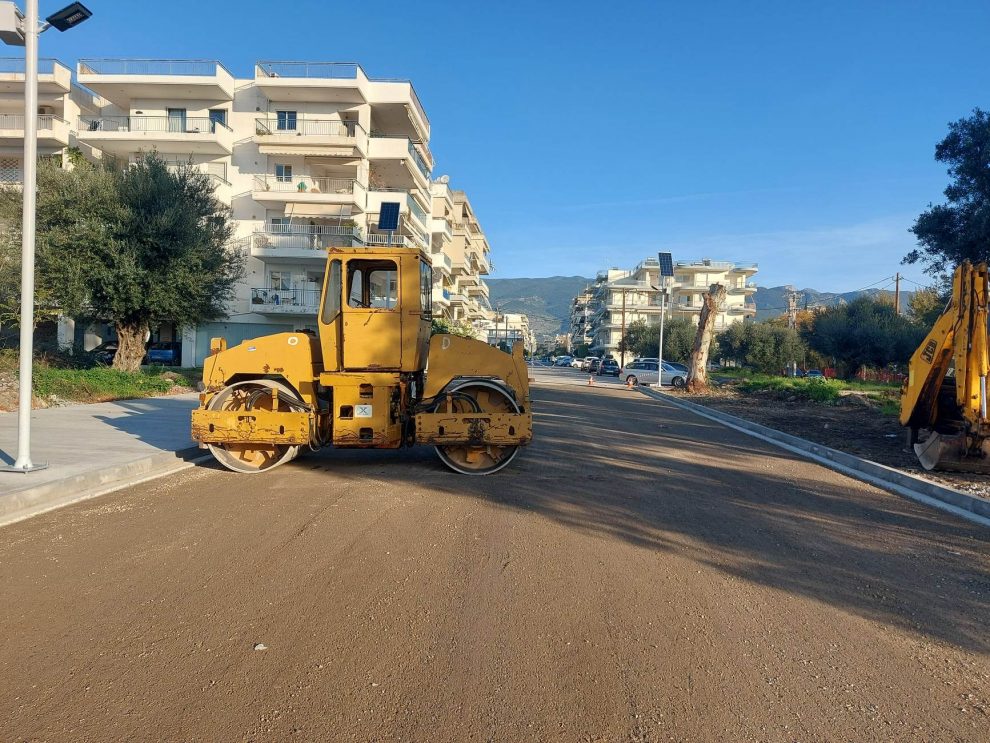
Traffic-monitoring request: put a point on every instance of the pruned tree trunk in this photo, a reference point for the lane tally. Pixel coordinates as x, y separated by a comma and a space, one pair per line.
130, 346
698, 369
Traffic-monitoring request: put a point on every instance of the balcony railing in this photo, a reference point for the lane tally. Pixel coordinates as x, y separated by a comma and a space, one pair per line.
308, 127
299, 237
186, 125
285, 300
16, 121
417, 211
175, 67
394, 239
418, 159
321, 70
216, 171
308, 184
46, 65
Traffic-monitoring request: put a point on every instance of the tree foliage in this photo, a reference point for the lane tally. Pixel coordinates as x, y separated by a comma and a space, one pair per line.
766, 347
925, 306
644, 340
139, 247
443, 326
959, 229
864, 333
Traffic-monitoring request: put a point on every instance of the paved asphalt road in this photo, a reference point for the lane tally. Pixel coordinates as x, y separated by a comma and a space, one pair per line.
638, 574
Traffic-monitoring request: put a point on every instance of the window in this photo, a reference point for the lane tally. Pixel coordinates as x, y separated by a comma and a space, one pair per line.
283, 173
285, 121
281, 280
372, 284
331, 305
176, 119
217, 116
426, 288
280, 224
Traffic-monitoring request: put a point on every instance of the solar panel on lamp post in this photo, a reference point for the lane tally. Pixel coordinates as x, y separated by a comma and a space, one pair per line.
18, 28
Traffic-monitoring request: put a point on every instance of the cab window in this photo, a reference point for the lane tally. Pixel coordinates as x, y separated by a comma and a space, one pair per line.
372, 284
331, 302
426, 288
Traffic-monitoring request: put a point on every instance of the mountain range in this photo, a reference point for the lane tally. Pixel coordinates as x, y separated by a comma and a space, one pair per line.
547, 301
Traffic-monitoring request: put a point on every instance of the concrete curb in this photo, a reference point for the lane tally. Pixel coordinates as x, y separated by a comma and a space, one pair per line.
24, 504
916, 488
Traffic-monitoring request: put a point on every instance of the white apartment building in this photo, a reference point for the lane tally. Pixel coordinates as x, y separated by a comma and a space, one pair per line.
511, 327
621, 297
304, 153
582, 309
60, 104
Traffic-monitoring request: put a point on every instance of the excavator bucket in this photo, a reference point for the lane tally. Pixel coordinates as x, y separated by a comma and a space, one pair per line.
951, 453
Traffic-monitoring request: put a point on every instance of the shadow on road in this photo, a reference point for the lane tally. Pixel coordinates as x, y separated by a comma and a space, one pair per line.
617, 465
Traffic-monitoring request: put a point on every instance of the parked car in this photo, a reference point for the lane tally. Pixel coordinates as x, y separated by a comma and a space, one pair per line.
586, 362
562, 361
593, 366
168, 353
576, 363
814, 374
609, 367
646, 372
104, 353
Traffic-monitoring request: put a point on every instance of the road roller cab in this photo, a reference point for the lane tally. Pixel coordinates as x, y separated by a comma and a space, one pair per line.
373, 378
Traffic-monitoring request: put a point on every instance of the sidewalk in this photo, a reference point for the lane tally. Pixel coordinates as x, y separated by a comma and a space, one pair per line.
93, 449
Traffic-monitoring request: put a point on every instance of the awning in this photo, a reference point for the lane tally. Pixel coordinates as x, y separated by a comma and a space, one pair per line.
323, 211
327, 152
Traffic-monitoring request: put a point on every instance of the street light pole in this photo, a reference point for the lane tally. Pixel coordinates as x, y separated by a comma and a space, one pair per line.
663, 297
28, 31
23, 462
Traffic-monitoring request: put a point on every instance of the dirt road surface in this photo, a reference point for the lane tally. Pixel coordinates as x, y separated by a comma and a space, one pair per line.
638, 574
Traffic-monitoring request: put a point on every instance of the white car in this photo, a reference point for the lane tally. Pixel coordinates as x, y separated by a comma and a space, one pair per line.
576, 363
645, 372
562, 361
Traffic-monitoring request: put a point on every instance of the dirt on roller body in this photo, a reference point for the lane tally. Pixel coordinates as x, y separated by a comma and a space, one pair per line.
639, 574
855, 424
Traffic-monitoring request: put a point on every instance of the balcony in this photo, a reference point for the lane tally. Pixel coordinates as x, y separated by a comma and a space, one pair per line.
746, 290
123, 80
316, 137
398, 161
440, 228
54, 78
124, 135
745, 310
301, 244
456, 298
442, 262
217, 173
53, 132
285, 301
316, 191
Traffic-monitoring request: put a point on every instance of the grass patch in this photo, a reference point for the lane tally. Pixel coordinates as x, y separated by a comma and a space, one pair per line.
97, 385
64, 378
815, 390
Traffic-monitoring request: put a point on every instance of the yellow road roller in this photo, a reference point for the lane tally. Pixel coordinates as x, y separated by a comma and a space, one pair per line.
371, 378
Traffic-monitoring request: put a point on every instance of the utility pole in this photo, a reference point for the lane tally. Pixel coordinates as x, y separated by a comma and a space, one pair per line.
897, 293
792, 309
622, 338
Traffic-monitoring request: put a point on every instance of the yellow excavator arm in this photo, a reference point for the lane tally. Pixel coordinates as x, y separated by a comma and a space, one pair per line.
947, 413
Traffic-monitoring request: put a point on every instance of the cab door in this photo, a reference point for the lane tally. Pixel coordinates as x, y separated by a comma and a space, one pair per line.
372, 320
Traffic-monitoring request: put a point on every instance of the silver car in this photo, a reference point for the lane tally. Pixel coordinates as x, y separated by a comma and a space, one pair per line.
645, 372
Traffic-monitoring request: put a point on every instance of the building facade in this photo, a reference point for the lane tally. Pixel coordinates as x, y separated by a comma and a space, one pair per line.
303, 153
621, 297
511, 328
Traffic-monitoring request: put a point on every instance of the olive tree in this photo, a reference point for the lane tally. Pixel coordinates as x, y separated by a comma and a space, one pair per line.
138, 247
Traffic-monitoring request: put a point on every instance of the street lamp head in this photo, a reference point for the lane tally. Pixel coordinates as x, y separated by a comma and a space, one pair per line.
69, 16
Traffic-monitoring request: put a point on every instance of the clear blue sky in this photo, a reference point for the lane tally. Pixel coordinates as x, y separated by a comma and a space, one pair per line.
796, 135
